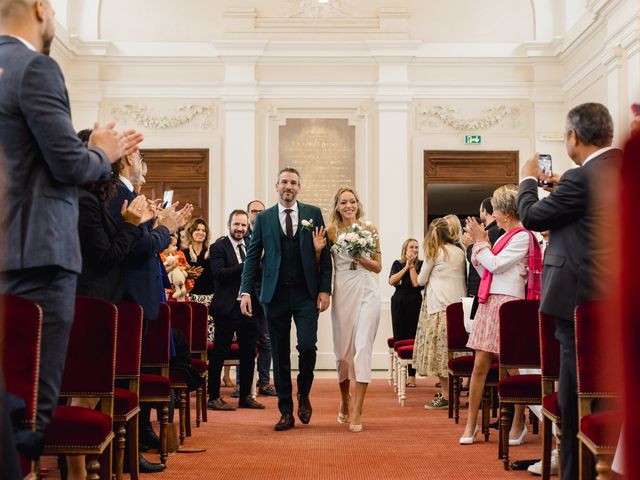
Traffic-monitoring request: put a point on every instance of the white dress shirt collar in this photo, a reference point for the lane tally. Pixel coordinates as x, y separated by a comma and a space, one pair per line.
127, 183
282, 208
26, 44
595, 154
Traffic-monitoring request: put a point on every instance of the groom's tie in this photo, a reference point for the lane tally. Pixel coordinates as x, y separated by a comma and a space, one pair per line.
288, 222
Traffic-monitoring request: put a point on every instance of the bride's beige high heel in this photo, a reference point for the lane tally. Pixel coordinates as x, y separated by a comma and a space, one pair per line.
344, 417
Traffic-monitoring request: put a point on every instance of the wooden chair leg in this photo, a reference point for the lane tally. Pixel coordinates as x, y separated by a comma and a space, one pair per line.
188, 413
506, 416
603, 467
198, 405
205, 387
121, 432
495, 402
183, 412
164, 433
106, 462
452, 381
546, 448
132, 441
456, 399
534, 421
395, 373
402, 384
585, 462
93, 467
390, 374
486, 408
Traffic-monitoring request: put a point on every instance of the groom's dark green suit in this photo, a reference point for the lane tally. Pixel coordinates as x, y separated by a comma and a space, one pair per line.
291, 281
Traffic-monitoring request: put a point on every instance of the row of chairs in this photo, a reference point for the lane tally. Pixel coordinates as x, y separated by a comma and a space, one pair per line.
527, 341
105, 346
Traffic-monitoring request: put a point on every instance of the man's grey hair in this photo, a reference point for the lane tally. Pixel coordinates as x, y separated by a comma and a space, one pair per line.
289, 170
592, 123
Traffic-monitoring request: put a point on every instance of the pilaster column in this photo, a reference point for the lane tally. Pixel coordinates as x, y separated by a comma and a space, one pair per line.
617, 93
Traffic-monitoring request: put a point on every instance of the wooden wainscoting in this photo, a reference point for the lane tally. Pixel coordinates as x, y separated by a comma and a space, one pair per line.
468, 167
185, 171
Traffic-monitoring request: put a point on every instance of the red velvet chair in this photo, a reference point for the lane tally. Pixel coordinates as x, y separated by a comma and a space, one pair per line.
89, 372
392, 378
155, 390
550, 366
519, 348
599, 431
403, 351
461, 366
199, 334
126, 402
181, 320
22, 335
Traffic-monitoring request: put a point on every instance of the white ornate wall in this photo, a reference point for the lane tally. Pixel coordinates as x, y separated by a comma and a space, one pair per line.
409, 75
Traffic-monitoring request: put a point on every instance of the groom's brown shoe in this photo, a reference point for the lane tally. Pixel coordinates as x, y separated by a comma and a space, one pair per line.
286, 422
304, 408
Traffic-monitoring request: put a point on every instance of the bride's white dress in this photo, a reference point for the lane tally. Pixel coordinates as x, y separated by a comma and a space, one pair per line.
355, 315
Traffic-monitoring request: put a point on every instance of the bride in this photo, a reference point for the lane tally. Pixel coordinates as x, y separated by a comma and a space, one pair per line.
355, 308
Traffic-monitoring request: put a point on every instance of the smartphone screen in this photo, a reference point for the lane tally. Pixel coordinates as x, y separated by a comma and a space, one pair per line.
544, 165
167, 198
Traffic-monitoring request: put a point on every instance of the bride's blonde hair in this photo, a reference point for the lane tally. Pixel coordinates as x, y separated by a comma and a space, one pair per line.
336, 218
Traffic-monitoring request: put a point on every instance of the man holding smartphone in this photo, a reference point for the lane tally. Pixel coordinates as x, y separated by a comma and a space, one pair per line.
575, 262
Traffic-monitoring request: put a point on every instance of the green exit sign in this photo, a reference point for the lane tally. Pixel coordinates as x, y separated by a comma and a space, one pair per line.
472, 139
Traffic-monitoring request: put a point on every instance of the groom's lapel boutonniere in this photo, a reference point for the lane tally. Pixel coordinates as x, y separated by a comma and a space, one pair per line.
307, 224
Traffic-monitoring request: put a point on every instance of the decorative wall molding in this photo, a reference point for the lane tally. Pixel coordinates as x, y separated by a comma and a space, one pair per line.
316, 9
186, 114
450, 116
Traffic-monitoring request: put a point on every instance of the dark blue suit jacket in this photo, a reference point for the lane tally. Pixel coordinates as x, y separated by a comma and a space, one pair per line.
42, 160
143, 271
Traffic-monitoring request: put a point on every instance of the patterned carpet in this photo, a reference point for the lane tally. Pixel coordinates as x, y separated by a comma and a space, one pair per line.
397, 443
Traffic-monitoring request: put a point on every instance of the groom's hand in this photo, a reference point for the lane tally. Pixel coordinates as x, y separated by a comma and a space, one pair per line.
245, 305
323, 301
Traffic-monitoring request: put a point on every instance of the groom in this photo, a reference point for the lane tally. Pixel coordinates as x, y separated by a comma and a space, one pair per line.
294, 284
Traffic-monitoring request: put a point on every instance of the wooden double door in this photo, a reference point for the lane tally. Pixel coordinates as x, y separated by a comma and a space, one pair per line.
185, 171
468, 168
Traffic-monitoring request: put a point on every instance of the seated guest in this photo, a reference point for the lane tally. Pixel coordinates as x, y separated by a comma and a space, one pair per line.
226, 257
503, 271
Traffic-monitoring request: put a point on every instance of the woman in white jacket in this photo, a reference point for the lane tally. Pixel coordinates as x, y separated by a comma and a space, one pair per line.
503, 270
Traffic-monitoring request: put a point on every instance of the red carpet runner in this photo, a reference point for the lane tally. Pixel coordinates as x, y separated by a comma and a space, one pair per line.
397, 443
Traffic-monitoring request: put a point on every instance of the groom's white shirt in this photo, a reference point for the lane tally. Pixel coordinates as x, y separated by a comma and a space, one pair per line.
294, 217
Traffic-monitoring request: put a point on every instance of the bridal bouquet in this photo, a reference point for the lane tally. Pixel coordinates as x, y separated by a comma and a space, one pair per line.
358, 241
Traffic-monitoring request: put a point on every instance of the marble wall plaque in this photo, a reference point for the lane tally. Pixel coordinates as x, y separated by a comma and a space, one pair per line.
323, 151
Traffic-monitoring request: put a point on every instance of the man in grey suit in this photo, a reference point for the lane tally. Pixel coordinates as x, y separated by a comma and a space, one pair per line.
44, 160
576, 259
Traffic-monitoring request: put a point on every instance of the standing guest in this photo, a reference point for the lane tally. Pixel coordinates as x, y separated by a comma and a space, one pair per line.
503, 271
104, 249
294, 284
407, 298
174, 259
355, 313
138, 186
197, 254
489, 223
144, 271
265, 388
46, 160
575, 263
227, 258
443, 272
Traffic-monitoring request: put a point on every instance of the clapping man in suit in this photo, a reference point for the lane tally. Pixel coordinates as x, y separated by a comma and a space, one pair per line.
144, 271
294, 284
226, 257
45, 161
575, 261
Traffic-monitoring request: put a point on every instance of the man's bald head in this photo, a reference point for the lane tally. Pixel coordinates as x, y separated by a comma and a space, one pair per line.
14, 9
31, 20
